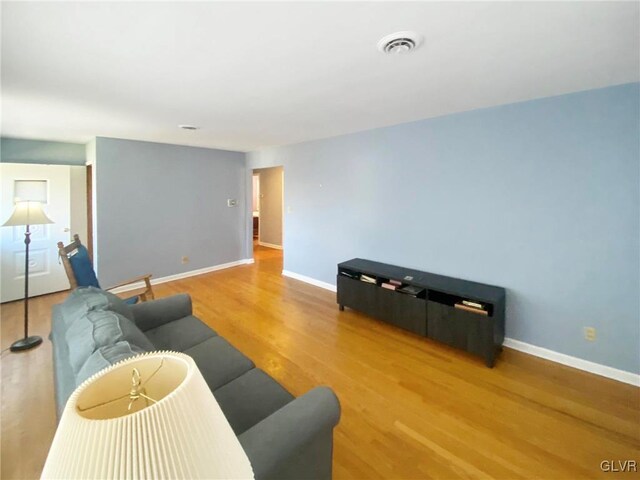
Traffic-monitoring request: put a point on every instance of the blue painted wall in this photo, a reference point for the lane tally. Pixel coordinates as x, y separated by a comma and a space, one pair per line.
17, 150
540, 197
156, 203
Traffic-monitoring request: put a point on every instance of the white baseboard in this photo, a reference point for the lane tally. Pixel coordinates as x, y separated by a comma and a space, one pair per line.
575, 362
180, 276
270, 245
312, 281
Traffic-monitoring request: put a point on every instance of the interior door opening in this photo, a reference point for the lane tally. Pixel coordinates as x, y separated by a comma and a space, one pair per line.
268, 205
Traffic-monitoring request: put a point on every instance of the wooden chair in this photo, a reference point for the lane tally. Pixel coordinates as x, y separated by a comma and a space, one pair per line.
79, 267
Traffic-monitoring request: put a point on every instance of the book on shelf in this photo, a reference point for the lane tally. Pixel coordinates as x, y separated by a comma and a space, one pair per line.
471, 304
367, 278
388, 286
411, 290
467, 308
397, 283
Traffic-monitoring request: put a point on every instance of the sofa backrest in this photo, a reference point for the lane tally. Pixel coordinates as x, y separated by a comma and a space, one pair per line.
91, 330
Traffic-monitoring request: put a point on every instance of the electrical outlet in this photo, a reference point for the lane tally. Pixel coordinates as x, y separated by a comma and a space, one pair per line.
232, 202
590, 334
185, 260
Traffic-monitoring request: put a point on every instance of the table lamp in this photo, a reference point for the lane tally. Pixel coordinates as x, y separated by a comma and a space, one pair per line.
27, 213
150, 416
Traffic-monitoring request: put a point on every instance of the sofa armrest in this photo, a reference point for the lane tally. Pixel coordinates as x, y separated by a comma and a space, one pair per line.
296, 441
154, 313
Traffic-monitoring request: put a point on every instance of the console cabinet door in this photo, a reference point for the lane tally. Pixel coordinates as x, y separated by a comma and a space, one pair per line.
461, 329
410, 313
401, 310
358, 295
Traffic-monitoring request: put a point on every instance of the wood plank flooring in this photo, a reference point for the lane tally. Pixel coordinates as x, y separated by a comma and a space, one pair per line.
411, 408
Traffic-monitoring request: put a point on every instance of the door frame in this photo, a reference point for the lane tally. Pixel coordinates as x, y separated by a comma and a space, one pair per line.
89, 240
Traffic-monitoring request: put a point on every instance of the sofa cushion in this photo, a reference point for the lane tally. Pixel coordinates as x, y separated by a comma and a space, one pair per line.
98, 328
106, 356
180, 335
85, 299
251, 398
219, 361
150, 315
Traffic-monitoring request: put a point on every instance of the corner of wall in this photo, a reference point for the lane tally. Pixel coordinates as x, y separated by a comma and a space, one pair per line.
91, 149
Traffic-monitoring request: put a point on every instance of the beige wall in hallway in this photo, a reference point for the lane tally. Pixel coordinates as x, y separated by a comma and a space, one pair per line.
271, 201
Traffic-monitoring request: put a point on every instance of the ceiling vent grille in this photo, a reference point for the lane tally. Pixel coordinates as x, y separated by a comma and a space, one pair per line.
399, 43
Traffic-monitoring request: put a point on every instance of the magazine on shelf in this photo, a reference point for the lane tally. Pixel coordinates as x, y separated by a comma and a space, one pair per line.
355, 276
411, 290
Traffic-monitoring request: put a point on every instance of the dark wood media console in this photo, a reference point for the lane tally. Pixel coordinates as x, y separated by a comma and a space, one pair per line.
463, 314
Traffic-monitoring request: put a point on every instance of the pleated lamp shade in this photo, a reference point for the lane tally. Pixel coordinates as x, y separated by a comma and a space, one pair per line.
157, 421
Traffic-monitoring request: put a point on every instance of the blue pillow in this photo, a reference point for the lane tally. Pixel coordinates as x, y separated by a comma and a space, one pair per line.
83, 269
131, 300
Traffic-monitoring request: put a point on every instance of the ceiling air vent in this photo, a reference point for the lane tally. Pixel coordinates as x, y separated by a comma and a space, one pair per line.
399, 42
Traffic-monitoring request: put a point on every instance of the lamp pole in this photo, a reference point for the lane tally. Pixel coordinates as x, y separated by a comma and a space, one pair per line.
27, 342
27, 241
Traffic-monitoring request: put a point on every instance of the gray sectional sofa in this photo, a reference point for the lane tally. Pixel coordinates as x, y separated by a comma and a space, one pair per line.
284, 437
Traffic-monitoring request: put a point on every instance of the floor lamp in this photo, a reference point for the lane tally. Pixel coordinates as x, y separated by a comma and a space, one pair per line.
27, 213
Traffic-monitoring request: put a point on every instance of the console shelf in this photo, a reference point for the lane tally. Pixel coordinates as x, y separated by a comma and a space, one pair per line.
463, 314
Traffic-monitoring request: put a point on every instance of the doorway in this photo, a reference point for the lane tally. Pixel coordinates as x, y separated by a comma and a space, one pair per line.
62, 189
268, 204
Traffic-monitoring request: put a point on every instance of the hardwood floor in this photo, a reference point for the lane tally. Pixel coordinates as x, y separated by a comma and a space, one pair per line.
411, 408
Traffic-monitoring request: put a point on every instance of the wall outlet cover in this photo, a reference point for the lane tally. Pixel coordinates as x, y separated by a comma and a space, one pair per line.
590, 334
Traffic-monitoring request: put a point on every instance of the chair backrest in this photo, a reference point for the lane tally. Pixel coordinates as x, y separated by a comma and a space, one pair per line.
78, 264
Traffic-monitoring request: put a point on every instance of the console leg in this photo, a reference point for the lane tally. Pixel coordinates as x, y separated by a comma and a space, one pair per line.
490, 360
342, 308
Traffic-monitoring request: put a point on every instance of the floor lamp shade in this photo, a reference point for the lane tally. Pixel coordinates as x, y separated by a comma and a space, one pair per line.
27, 213
150, 416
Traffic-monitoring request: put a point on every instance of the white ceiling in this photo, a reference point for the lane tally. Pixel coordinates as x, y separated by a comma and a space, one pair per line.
259, 74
